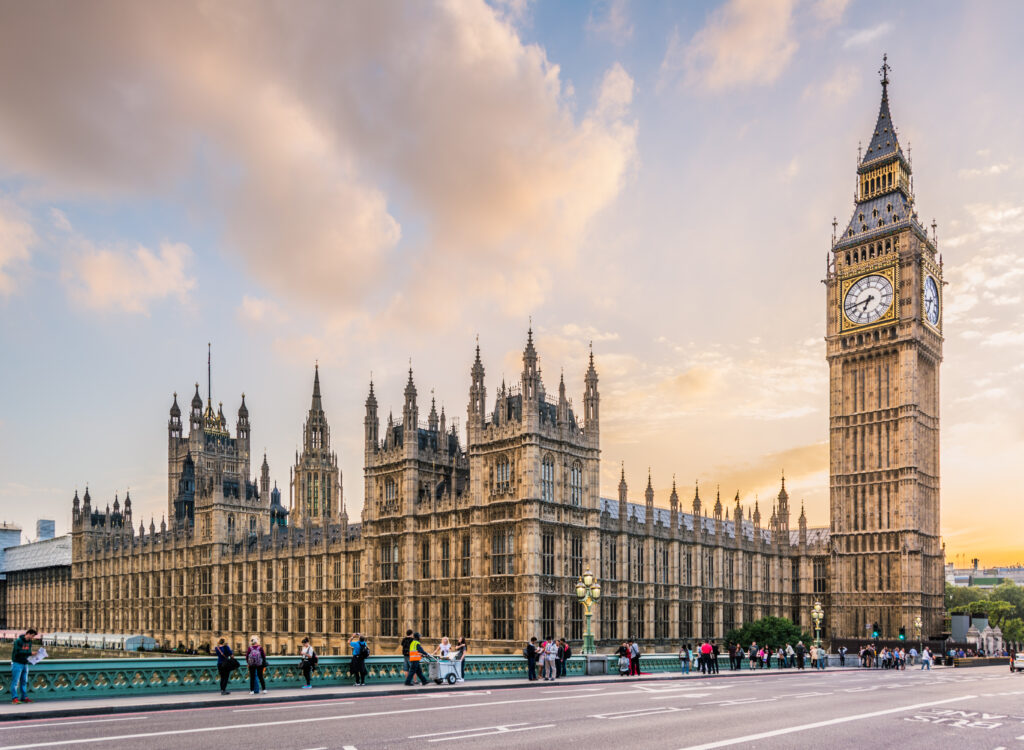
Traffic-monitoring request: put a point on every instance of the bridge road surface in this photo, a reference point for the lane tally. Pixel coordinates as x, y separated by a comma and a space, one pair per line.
966, 708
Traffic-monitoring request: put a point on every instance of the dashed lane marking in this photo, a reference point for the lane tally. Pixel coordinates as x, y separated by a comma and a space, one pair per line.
465, 734
638, 712
69, 723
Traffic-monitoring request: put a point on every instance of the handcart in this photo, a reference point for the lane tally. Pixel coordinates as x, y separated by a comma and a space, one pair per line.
443, 670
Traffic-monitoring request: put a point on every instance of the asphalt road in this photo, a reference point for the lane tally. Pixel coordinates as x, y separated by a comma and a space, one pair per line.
972, 708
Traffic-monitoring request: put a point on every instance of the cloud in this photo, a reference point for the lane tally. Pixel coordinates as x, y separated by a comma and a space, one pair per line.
865, 37
108, 279
60, 220
610, 19
16, 240
802, 464
988, 171
315, 135
256, 310
743, 43
837, 88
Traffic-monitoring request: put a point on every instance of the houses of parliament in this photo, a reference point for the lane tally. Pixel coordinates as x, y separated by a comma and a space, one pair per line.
484, 532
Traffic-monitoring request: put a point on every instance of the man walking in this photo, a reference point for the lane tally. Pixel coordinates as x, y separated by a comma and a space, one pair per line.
20, 652
842, 656
416, 654
800, 651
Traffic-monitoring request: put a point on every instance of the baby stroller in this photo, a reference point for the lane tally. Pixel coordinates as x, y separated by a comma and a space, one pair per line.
623, 666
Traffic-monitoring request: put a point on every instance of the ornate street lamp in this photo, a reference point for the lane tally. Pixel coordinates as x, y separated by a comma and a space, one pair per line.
588, 591
917, 627
817, 614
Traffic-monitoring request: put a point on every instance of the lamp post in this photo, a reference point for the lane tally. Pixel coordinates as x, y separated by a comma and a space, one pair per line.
917, 627
588, 591
817, 614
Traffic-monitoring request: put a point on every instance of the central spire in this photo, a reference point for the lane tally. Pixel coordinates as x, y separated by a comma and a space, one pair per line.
316, 404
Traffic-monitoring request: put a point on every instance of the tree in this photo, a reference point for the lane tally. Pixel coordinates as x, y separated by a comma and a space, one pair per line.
1013, 629
768, 631
1010, 592
957, 596
998, 612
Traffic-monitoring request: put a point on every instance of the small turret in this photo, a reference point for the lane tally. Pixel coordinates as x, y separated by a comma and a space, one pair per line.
757, 513
673, 504
623, 502
242, 426
477, 394
371, 423
696, 498
649, 500
737, 515
432, 417
591, 401
410, 413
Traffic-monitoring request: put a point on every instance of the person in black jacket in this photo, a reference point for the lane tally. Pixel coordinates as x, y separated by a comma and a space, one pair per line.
405, 651
530, 652
225, 666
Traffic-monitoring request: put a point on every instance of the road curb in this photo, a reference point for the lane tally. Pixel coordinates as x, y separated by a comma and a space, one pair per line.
333, 694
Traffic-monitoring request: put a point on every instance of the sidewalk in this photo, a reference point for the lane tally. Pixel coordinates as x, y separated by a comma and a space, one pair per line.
49, 709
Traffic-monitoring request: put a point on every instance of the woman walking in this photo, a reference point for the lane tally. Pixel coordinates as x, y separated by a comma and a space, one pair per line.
226, 664
256, 659
684, 658
309, 660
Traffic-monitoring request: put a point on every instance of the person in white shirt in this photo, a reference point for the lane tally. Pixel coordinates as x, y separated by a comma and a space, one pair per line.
309, 660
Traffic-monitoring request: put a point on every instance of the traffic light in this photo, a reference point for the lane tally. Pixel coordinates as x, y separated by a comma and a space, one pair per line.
903, 633
874, 631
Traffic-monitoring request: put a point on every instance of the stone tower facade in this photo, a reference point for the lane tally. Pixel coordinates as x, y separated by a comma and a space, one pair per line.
316, 479
884, 348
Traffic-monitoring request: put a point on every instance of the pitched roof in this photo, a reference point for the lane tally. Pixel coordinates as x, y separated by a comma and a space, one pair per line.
50, 553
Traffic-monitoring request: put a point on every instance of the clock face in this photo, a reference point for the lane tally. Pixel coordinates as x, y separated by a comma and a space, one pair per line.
931, 300
868, 299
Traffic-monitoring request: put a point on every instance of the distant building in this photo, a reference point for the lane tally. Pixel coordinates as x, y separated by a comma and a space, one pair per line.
10, 536
39, 584
984, 578
44, 529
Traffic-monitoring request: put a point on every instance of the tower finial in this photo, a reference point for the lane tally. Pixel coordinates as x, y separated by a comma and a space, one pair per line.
209, 375
884, 70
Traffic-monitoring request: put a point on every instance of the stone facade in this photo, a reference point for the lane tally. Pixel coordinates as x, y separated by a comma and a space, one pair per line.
487, 539
884, 348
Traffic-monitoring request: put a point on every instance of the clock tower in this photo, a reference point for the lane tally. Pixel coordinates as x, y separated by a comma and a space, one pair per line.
884, 347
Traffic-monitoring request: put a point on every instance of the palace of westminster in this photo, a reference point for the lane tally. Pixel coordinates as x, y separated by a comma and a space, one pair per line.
487, 539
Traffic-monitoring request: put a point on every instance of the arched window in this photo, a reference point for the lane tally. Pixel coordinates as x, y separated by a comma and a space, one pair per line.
547, 479
503, 474
390, 492
231, 524
576, 484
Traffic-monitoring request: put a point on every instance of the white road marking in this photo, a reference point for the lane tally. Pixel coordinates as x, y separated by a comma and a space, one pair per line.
638, 712
305, 720
69, 723
318, 704
348, 747
817, 724
461, 734
673, 696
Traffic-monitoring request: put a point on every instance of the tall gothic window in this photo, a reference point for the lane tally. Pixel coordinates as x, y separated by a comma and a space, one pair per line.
389, 617
465, 556
613, 559
576, 484
547, 479
576, 556
389, 561
446, 553
547, 554
503, 474
502, 552
547, 617
502, 617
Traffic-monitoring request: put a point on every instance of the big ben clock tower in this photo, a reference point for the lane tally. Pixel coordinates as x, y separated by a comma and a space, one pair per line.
884, 347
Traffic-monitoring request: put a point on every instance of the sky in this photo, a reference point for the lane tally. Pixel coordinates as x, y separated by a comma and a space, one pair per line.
368, 185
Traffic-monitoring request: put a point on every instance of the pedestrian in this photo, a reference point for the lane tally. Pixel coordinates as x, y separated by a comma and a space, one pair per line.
566, 656
714, 658
531, 653
443, 648
842, 656
625, 662
416, 654
357, 666
308, 663
256, 660
926, 659
684, 658
20, 652
459, 655
911, 655
550, 668
822, 657
405, 651
560, 658
754, 658
634, 658
705, 657
226, 664
800, 651
790, 656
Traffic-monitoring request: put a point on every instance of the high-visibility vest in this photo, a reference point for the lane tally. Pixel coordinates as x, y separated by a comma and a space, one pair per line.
414, 653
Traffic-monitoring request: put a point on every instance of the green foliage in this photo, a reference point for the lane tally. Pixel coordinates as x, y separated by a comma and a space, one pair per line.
768, 631
958, 596
1011, 593
1001, 604
1013, 629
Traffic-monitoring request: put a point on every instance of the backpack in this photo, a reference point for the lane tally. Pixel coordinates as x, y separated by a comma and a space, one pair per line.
568, 653
528, 651
253, 657
364, 651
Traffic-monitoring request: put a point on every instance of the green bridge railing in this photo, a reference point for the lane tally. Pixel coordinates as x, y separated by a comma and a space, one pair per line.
55, 679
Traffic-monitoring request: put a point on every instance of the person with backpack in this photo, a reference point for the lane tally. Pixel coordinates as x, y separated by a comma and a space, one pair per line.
226, 664
256, 660
308, 663
530, 653
357, 666
416, 654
